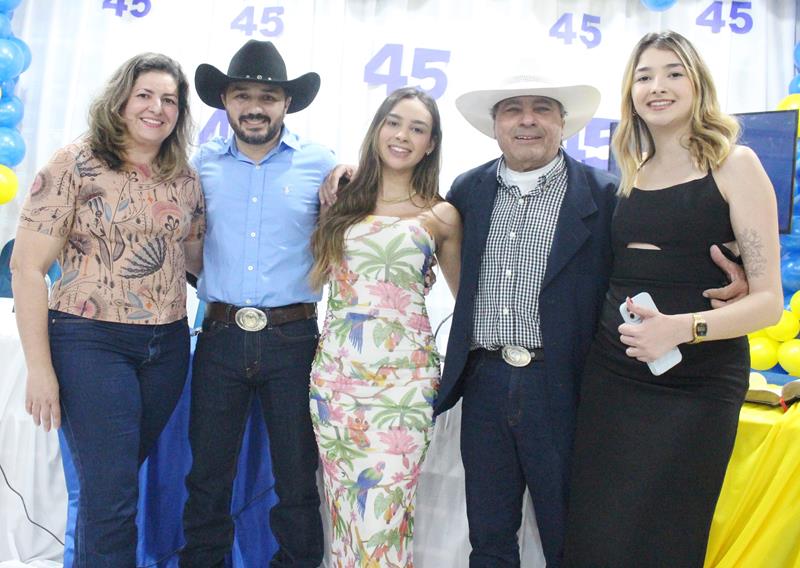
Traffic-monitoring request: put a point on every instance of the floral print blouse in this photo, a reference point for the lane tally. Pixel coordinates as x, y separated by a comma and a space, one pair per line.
123, 233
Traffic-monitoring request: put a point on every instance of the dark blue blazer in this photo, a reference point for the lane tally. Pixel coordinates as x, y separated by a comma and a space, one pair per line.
575, 281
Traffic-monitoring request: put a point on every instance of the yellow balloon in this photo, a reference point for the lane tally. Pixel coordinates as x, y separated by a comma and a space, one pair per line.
786, 328
789, 356
759, 333
794, 303
763, 353
8, 184
790, 102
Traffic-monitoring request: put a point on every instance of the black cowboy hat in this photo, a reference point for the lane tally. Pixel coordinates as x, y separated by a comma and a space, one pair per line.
257, 61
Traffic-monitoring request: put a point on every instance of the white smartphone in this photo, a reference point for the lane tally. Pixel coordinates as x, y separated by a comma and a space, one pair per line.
668, 359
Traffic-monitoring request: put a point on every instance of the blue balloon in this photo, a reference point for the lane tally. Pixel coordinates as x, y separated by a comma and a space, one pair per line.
797, 55
794, 85
790, 272
12, 147
8, 5
7, 87
11, 59
659, 5
26, 52
5, 25
790, 244
11, 111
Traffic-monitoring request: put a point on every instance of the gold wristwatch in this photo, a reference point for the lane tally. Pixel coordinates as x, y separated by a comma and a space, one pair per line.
699, 329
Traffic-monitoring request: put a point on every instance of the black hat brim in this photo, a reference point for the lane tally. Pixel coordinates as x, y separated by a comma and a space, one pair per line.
210, 83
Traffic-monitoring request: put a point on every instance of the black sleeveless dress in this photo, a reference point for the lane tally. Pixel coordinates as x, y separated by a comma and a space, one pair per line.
651, 451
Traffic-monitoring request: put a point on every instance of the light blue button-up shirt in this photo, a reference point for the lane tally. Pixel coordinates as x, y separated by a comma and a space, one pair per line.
260, 218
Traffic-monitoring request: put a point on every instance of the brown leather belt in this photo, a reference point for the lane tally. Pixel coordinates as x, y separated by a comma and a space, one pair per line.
256, 319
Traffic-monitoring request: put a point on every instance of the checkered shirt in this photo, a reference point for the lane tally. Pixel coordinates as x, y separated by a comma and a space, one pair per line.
514, 262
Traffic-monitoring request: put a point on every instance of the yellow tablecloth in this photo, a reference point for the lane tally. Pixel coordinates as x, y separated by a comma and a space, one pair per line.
757, 521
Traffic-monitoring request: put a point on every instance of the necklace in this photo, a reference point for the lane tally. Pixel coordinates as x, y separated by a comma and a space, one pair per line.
406, 198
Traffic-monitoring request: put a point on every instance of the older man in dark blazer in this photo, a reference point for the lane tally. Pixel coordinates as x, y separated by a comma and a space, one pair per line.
536, 258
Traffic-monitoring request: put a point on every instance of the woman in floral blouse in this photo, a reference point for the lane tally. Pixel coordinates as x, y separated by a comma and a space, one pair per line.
122, 212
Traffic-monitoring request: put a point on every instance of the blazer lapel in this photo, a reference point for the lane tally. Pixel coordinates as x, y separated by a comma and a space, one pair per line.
485, 194
571, 232
477, 218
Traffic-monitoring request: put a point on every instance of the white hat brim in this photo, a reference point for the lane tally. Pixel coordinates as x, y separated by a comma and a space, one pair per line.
580, 102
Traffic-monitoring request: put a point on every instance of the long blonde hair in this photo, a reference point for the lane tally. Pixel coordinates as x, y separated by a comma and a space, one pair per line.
359, 197
712, 133
107, 133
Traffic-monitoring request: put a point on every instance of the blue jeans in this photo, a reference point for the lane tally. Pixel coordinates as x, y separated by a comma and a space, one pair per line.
231, 367
517, 430
119, 384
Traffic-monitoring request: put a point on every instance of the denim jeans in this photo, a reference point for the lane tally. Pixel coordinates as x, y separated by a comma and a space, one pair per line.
119, 384
516, 432
231, 367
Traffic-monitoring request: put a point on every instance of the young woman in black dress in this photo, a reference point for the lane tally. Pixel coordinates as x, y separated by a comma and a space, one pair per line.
651, 451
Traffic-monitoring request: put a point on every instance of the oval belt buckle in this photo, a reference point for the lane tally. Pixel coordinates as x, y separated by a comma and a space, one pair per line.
516, 356
251, 319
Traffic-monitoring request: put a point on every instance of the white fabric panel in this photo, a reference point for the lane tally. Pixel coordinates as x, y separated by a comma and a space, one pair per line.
31, 460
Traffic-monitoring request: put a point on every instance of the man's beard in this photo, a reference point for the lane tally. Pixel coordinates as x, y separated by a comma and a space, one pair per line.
273, 130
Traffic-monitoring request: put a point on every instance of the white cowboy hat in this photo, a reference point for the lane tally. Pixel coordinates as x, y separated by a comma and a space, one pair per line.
580, 102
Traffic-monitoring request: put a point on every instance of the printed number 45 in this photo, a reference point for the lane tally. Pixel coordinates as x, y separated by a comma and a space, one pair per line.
270, 18
394, 79
712, 17
120, 6
590, 37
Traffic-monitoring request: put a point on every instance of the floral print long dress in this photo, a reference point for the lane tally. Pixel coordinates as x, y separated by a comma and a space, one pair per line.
373, 382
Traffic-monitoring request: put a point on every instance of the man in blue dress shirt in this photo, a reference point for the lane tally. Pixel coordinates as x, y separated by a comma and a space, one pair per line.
260, 328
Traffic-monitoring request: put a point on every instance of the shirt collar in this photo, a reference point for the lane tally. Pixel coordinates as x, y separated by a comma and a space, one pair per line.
549, 177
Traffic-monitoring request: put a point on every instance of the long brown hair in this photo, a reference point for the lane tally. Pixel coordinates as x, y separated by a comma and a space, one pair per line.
359, 197
107, 134
712, 133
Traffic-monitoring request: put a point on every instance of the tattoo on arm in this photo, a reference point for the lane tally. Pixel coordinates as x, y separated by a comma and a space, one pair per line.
752, 249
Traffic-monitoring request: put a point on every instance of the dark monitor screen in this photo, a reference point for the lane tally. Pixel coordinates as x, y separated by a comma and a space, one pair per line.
772, 135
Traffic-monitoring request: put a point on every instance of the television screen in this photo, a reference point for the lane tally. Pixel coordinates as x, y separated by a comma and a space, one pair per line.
772, 135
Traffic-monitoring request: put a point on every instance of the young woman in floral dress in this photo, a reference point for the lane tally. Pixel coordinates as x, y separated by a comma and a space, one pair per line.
376, 371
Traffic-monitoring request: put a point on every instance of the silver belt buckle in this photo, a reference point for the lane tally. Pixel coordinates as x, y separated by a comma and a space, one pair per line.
251, 319
515, 356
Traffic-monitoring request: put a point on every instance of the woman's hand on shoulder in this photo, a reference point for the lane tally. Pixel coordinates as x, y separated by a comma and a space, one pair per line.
342, 173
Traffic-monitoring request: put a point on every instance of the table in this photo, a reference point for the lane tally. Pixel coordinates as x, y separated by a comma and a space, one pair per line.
757, 520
